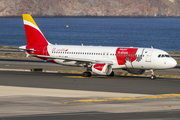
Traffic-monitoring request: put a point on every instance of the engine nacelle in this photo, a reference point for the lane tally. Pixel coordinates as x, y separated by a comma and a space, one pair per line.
102, 69
136, 71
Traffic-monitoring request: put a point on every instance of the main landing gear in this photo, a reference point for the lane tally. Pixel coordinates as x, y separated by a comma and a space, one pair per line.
152, 75
111, 75
87, 74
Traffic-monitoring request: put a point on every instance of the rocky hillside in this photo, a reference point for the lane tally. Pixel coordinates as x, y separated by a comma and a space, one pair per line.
128, 8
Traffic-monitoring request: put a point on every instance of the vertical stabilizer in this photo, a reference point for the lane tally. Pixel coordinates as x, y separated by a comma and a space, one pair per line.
34, 35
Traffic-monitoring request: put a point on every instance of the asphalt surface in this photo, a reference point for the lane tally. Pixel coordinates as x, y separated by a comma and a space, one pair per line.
117, 84
45, 107
142, 85
163, 115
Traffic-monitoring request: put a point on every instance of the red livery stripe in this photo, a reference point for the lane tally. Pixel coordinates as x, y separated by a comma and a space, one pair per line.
99, 66
122, 53
34, 36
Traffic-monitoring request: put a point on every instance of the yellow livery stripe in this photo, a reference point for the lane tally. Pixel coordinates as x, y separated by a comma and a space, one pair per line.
28, 18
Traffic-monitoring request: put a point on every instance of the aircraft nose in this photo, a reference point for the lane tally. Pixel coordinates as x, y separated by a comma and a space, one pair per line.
173, 63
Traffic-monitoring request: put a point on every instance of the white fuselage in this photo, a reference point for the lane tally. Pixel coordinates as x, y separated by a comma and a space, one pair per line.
146, 58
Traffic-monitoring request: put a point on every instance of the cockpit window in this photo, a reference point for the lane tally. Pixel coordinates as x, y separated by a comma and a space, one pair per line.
167, 55
163, 55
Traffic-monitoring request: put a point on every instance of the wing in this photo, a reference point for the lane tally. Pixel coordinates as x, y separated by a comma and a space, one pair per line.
74, 59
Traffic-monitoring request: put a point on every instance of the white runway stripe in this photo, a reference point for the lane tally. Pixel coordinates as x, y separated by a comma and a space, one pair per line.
30, 91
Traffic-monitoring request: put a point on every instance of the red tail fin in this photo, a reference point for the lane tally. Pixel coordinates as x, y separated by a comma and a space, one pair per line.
34, 35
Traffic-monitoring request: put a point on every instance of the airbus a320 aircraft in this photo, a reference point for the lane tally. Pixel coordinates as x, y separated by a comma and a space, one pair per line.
96, 59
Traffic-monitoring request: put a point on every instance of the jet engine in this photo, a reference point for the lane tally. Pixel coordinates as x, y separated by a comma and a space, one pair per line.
102, 69
136, 71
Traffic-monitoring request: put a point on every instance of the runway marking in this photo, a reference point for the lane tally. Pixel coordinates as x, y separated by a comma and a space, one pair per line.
76, 77
94, 96
31, 91
83, 101
130, 98
67, 103
23, 70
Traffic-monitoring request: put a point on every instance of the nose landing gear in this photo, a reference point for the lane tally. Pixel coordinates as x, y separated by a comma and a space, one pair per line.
152, 74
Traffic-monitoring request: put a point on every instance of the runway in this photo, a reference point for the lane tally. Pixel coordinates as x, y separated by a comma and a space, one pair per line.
37, 95
41, 95
140, 85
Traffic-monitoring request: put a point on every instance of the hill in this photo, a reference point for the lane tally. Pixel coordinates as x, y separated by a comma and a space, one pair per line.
123, 8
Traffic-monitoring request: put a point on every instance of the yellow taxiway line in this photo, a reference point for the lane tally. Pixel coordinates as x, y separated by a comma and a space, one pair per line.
129, 98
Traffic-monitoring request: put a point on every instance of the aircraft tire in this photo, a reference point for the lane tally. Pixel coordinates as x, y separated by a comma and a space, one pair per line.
87, 74
153, 77
112, 74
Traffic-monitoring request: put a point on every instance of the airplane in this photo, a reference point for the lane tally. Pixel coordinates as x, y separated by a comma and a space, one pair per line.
96, 59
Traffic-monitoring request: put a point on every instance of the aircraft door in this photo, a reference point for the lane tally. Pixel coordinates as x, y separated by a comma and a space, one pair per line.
148, 56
